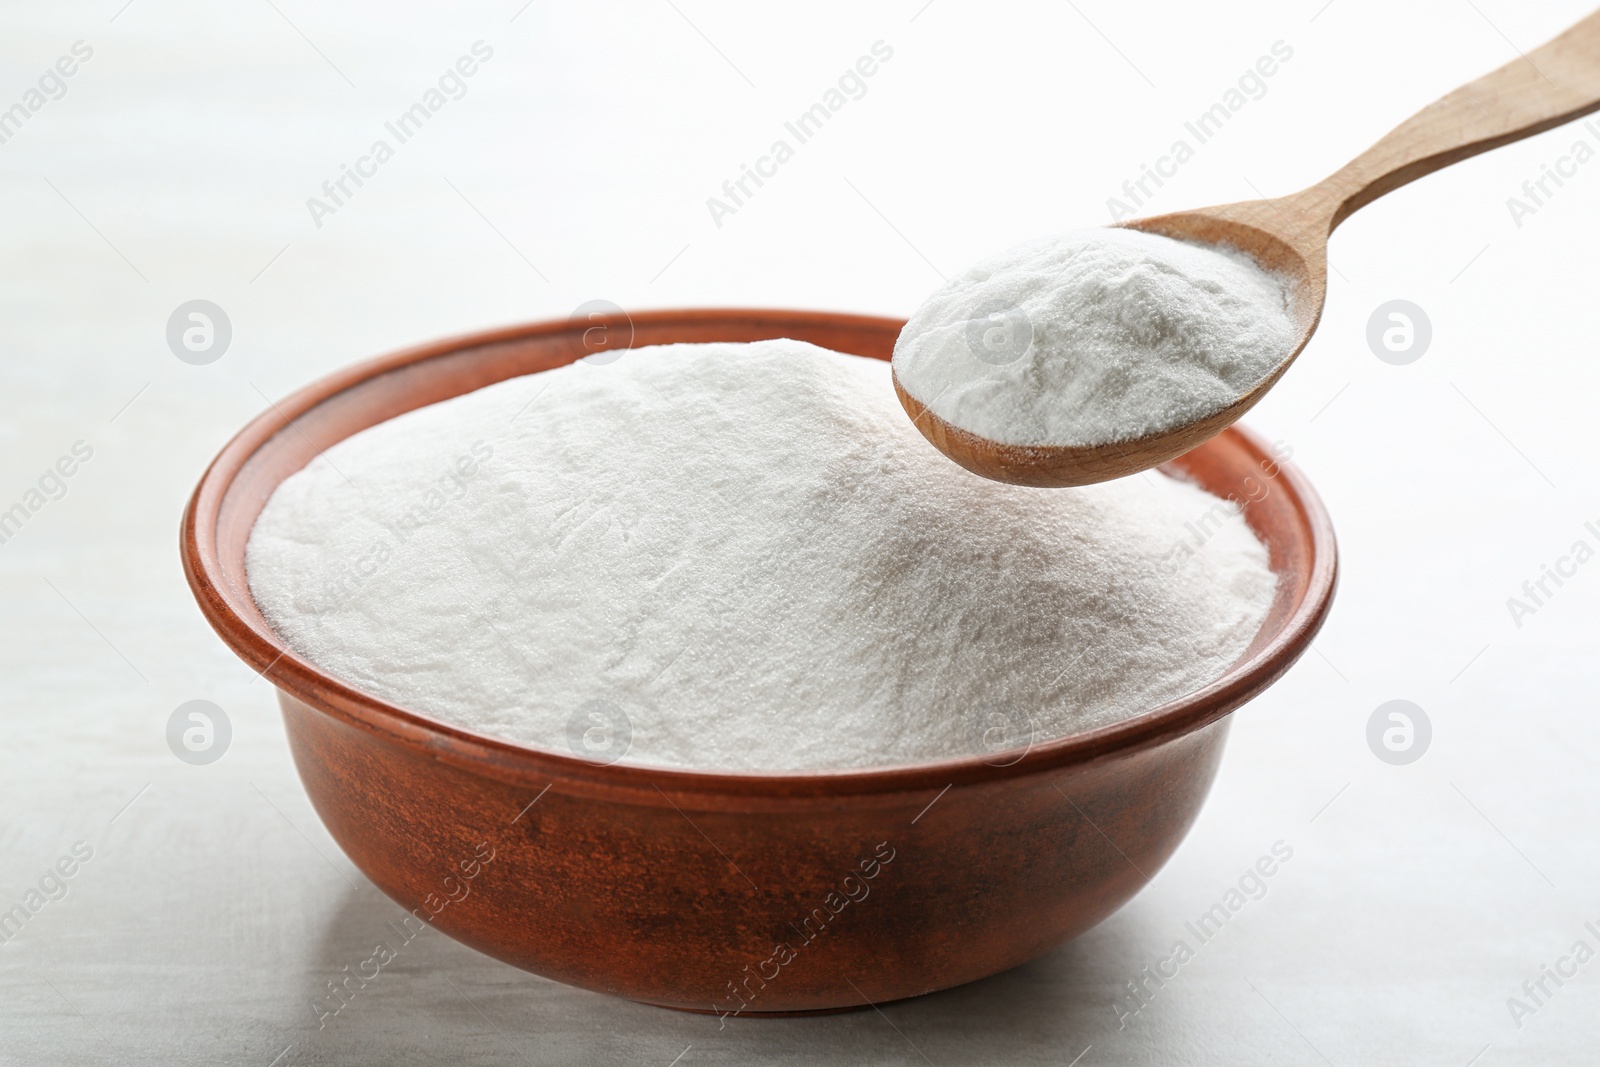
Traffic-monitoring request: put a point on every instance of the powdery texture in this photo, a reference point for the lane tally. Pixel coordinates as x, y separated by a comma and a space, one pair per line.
751, 551
1133, 334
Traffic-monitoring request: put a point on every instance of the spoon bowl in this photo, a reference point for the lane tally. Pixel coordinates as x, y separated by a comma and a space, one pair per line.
1288, 236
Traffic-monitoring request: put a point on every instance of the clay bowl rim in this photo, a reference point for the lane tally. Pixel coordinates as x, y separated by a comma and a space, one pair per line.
239, 622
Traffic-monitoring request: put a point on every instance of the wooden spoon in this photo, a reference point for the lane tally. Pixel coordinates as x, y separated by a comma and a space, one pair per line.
1550, 86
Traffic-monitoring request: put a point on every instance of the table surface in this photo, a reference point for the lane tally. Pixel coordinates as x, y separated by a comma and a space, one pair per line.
576, 163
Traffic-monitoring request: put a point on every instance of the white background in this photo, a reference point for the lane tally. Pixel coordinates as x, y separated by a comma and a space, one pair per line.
178, 165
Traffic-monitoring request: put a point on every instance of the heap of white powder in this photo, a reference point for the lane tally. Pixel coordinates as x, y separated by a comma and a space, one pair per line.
741, 557
1094, 337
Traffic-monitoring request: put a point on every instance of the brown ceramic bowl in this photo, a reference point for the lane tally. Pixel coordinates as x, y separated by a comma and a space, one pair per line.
756, 893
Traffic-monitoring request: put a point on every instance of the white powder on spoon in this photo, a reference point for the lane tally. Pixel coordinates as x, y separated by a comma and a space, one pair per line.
1094, 337
751, 554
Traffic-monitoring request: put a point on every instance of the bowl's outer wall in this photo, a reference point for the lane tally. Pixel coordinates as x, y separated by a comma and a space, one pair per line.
733, 912
693, 890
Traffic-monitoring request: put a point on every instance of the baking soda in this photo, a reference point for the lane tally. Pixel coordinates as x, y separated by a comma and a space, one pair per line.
1095, 337
741, 557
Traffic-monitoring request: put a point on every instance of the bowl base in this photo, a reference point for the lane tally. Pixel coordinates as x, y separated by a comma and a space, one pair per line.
774, 1014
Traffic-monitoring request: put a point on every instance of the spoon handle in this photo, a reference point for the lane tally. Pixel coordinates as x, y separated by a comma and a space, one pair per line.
1554, 84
